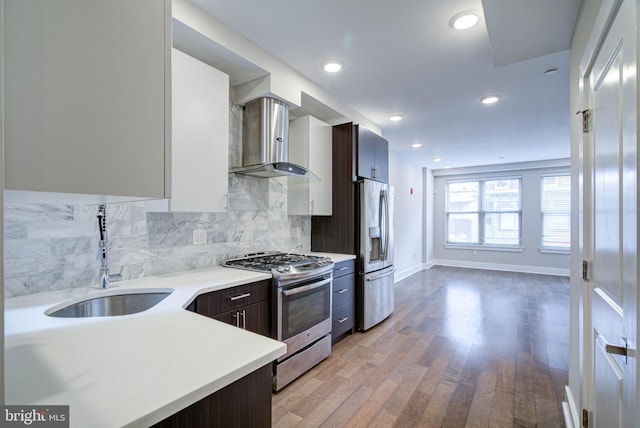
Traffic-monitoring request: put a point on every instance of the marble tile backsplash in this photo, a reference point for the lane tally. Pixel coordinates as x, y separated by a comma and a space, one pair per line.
50, 247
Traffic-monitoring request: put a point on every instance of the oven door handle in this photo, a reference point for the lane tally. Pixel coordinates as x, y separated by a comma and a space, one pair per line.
298, 290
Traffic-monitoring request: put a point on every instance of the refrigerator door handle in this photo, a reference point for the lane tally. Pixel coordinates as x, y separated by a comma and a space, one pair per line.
374, 278
384, 219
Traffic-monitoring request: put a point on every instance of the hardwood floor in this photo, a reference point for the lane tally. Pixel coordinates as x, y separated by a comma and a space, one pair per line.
464, 348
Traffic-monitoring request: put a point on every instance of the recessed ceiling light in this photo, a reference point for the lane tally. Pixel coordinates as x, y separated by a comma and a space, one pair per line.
464, 21
447, 167
550, 71
437, 159
396, 118
332, 66
416, 145
490, 99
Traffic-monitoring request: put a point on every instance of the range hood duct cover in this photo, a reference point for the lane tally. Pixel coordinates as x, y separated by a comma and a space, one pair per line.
265, 141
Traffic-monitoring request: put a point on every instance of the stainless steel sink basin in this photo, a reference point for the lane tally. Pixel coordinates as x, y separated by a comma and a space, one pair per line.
110, 305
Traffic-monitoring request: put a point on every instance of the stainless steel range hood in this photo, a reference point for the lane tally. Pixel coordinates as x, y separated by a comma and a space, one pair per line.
265, 141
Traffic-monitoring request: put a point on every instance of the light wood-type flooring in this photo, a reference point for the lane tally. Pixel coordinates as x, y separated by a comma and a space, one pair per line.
464, 348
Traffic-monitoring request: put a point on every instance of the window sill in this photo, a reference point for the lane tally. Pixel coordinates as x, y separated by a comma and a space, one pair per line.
554, 251
484, 248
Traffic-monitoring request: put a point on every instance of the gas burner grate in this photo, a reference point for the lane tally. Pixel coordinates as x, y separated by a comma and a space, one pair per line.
275, 261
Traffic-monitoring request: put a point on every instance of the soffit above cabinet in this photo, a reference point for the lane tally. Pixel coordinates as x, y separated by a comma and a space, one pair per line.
208, 51
242, 71
253, 72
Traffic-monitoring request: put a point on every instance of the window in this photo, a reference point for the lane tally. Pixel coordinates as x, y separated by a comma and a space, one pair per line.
555, 208
484, 212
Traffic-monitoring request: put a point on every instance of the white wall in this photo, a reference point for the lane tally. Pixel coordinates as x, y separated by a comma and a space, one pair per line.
530, 259
408, 211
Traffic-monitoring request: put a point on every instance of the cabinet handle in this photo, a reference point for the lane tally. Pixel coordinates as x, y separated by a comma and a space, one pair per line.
343, 268
373, 172
341, 320
342, 291
237, 316
312, 204
241, 296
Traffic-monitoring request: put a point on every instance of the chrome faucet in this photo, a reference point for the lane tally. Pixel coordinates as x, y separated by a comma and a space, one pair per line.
102, 246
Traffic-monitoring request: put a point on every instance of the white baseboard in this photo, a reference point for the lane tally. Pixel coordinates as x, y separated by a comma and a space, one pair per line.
503, 267
402, 274
570, 411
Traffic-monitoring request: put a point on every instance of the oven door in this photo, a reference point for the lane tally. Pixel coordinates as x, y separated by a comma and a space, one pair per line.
303, 313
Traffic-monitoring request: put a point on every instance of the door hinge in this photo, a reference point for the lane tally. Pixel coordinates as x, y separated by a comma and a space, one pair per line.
586, 270
585, 418
586, 119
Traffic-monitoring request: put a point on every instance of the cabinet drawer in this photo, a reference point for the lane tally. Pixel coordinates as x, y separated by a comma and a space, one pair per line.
342, 320
343, 268
218, 302
342, 290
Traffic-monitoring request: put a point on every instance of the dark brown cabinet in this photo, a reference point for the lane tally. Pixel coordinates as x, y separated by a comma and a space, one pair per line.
372, 154
244, 403
336, 233
254, 318
343, 300
356, 152
353, 147
247, 401
245, 306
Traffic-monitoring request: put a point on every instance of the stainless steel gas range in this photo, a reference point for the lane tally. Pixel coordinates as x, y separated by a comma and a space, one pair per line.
301, 308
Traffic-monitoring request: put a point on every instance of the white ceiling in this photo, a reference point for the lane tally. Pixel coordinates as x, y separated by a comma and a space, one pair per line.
403, 57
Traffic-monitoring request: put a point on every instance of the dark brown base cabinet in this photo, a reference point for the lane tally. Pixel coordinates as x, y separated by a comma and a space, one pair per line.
254, 318
244, 403
343, 300
247, 401
245, 306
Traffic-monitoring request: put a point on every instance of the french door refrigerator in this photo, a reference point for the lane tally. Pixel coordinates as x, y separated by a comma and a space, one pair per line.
375, 229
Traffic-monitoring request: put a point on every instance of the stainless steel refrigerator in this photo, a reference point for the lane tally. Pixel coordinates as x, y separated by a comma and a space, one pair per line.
375, 229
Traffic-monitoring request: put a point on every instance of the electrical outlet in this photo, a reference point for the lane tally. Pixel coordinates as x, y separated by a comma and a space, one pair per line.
199, 237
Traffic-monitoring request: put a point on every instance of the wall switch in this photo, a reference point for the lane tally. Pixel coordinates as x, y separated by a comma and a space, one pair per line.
199, 237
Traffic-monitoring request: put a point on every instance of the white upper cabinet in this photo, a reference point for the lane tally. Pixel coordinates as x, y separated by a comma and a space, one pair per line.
87, 97
200, 142
310, 146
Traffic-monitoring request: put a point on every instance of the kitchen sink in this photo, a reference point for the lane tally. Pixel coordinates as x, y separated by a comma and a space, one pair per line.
131, 302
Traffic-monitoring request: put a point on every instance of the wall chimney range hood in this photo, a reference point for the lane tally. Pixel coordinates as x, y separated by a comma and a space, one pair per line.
265, 141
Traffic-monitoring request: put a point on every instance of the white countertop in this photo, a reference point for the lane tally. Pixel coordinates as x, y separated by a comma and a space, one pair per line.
131, 370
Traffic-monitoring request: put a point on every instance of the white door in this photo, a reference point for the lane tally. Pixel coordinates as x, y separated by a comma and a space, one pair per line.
610, 234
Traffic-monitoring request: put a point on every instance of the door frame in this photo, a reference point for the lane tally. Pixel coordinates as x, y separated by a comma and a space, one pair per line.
582, 229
